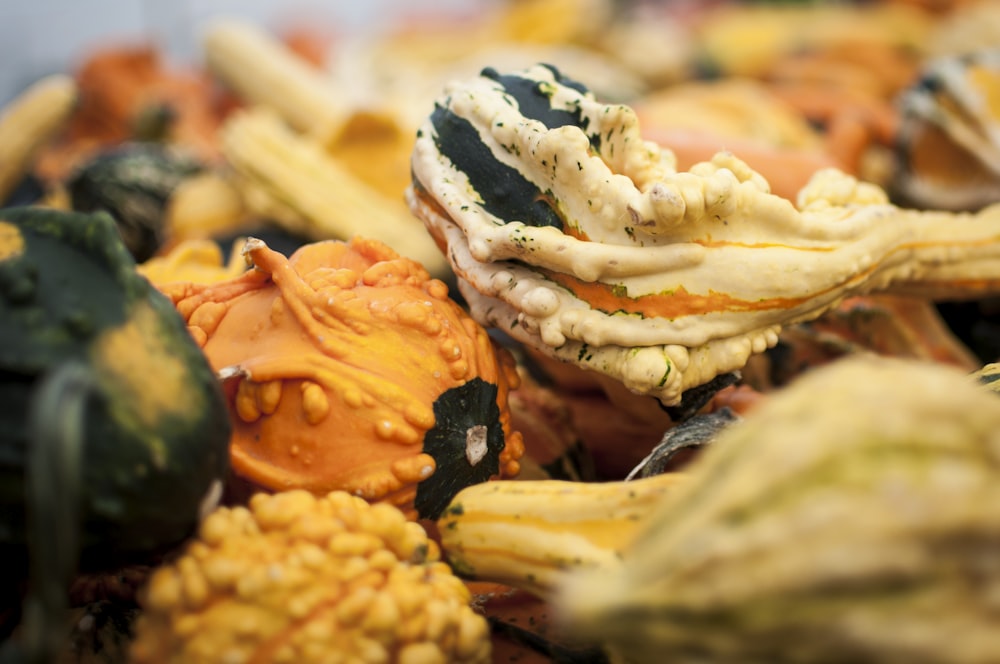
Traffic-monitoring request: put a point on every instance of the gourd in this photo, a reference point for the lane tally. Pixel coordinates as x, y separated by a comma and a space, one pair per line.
194, 260
79, 324
28, 122
263, 71
306, 153
348, 368
293, 180
113, 429
203, 206
531, 533
584, 242
134, 183
860, 526
947, 151
293, 577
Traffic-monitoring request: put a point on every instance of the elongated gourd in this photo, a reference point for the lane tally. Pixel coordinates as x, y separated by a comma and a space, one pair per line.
860, 526
852, 517
28, 122
530, 534
262, 70
585, 243
292, 180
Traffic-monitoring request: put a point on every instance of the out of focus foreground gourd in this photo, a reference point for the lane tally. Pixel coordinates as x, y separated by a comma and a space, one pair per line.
296, 578
347, 367
114, 427
860, 526
857, 527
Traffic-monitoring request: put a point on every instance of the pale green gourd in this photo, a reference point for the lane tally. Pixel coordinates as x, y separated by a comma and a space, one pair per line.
853, 517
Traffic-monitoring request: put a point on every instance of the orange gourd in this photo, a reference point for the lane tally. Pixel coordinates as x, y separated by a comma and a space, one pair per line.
348, 368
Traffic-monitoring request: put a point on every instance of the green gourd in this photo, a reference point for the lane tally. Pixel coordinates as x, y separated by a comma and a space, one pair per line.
104, 389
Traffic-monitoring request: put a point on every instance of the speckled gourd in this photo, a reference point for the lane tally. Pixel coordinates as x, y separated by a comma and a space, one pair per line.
851, 517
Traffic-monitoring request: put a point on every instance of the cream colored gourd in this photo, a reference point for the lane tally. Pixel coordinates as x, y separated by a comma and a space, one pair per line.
261, 69
291, 179
851, 517
31, 120
530, 534
585, 242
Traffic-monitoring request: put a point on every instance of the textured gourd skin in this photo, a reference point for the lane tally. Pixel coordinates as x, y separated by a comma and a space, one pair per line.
156, 427
851, 517
580, 239
292, 578
349, 368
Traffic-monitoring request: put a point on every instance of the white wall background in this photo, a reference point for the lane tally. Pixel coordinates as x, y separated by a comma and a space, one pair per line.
39, 37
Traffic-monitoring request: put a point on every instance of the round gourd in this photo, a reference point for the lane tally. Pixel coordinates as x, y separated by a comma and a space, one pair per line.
133, 183
351, 369
151, 423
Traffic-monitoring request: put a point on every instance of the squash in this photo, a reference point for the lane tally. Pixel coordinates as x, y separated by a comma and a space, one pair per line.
303, 579
134, 183
860, 527
90, 351
576, 237
348, 368
947, 149
113, 429
28, 122
293, 180
532, 534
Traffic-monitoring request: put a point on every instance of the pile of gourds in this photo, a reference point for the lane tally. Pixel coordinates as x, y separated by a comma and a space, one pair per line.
554, 362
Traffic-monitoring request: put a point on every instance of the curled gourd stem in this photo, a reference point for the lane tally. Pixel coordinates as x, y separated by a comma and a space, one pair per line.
53, 491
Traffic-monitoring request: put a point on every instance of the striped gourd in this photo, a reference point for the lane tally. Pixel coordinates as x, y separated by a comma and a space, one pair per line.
530, 533
851, 517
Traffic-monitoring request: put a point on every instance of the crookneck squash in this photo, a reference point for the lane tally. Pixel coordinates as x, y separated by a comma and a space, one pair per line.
348, 368
102, 385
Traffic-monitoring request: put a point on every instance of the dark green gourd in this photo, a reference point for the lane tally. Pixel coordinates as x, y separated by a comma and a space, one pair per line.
124, 380
133, 183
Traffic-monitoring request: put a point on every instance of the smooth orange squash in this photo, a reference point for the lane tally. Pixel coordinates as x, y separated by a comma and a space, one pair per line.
349, 368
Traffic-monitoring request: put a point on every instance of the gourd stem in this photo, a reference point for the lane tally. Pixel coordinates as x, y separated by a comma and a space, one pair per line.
53, 483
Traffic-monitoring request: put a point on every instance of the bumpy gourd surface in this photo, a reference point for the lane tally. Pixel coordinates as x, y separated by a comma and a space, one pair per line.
296, 578
349, 368
574, 235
